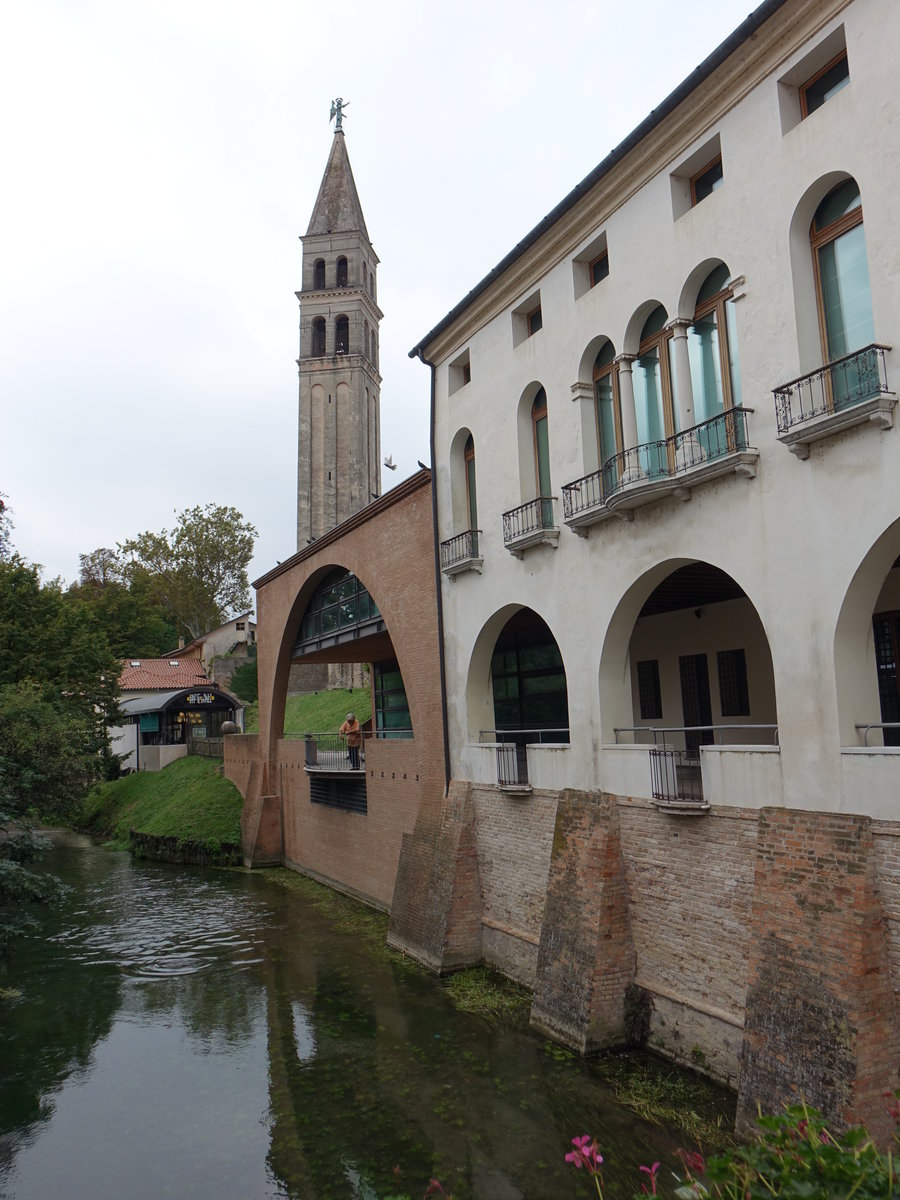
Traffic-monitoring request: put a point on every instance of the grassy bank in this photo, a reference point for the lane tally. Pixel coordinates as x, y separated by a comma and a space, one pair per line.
190, 800
318, 712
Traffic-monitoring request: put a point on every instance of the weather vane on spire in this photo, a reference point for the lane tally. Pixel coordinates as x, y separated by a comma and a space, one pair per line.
337, 110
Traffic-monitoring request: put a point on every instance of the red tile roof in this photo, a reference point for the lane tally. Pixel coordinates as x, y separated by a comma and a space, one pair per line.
167, 674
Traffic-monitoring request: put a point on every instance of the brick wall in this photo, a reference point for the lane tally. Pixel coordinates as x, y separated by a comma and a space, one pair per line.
515, 838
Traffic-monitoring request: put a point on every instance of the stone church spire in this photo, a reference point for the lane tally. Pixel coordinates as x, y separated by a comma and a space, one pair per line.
339, 443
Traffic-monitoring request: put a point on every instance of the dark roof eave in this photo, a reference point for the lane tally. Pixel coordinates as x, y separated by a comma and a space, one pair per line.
710, 64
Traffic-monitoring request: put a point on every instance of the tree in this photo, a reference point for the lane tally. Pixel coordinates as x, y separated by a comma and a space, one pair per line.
198, 570
245, 682
5, 527
134, 621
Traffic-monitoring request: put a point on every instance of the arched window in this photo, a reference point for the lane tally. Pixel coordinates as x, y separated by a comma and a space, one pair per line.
319, 274
606, 400
471, 500
842, 286
653, 394
342, 336
374, 350
342, 272
542, 456
712, 348
318, 337
365, 337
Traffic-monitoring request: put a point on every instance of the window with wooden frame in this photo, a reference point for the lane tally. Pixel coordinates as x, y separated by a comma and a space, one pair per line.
466, 373
319, 274
471, 496
318, 337
653, 408
598, 268
534, 320
712, 348
542, 456
606, 403
841, 273
824, 84
706, 180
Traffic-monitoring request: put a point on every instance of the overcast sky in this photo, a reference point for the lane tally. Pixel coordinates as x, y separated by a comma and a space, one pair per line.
160, 159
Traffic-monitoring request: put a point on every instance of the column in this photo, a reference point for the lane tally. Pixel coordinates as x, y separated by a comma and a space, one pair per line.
631, 463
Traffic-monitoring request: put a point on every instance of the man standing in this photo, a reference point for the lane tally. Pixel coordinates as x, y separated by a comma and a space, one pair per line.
352, 732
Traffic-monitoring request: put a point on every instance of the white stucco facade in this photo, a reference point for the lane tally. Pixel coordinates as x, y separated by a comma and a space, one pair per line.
809, 541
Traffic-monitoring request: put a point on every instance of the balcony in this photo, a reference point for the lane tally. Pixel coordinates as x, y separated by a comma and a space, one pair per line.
849, 391
531, 524
524, 758
460, 553
653, 470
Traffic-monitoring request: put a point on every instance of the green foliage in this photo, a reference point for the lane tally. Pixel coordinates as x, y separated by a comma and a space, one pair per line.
797, 1157
5, 527
245, 682
134, 621
319, 712
190, 800
198, 570
482, 991
638, 1010
21, 888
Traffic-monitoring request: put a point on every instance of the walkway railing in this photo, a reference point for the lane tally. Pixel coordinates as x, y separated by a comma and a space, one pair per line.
849, 380
528, 518
330, 752
865, 729
459, 548
655, 731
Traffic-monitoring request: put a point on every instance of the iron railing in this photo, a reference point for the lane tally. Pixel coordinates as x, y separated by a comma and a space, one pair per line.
459, 548
720, 435
841, 384
528, 518
512, 765
676, 776
525, 737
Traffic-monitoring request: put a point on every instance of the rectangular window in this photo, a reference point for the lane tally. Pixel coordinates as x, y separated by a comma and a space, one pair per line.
466, 373
535, 320
599, 268
734, 696
649, 690
240, 625
392, 719
706, 181
824, 84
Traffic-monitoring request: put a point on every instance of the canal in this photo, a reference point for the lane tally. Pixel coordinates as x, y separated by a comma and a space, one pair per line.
181, 1032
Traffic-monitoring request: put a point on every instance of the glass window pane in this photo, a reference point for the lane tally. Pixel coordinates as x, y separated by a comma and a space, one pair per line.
648, 409
845, 293
606, 419
542, 441
706, 371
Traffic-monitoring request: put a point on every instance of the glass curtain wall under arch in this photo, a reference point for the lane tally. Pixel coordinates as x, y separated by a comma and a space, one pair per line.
842, 291
529, 682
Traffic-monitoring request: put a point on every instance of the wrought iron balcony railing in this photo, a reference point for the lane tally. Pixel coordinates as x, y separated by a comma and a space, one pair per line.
459, 549
676, 777
723, 434
839, 385
512, 752
532, 518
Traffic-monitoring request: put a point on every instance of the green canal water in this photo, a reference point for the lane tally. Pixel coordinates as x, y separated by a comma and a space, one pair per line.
185, 1033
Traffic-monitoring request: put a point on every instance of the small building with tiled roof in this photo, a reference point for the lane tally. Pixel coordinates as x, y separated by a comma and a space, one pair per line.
167, 704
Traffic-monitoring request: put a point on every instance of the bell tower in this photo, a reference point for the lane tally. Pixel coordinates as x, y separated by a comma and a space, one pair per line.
339, 442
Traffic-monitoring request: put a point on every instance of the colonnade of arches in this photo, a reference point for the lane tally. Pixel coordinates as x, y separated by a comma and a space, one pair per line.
686, 648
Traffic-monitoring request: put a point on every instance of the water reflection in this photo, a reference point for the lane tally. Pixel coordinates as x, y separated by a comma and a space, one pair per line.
201, 1033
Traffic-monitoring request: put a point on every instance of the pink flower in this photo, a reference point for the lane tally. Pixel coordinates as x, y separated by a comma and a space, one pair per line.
651, 1171
585, 1154
692, 1160
433, 1188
